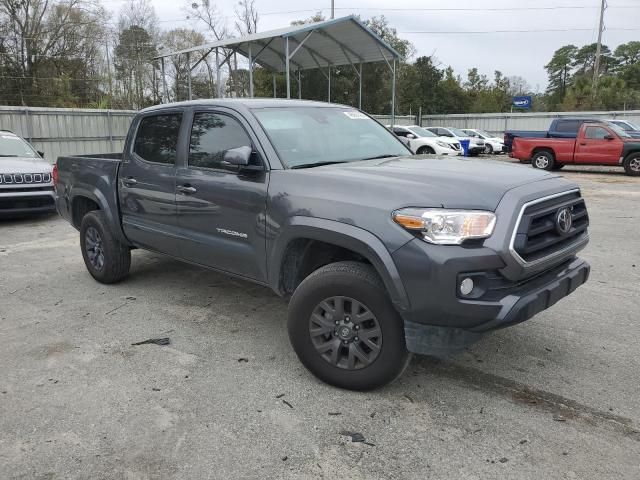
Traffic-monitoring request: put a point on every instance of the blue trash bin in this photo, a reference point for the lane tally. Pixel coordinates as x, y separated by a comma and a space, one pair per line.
465, 147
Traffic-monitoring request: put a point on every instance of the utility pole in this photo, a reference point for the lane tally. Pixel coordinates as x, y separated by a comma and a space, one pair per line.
596, 63
333, 7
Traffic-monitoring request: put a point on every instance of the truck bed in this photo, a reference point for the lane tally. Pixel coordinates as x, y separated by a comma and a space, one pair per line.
562, 148
94, 177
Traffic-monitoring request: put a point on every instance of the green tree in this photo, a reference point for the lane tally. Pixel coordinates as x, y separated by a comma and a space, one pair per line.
135, 67
559, 71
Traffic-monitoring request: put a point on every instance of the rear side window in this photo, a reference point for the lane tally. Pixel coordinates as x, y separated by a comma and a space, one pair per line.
596, 132
568, 126
157, 138
212, 135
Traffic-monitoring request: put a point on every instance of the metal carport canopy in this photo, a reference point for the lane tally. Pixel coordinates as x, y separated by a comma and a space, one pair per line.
319, 45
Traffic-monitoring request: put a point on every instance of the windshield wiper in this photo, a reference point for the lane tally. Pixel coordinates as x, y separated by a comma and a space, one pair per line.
386, 155
316, 164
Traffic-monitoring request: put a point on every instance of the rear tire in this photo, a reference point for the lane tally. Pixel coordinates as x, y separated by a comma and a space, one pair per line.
425, 151
543, 160
107, 259
344, 328
632, 164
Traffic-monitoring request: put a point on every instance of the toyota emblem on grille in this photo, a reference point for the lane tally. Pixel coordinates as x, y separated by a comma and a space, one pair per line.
563, 221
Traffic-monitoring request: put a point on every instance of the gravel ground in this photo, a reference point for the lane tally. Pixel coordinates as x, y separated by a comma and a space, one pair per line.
556, 397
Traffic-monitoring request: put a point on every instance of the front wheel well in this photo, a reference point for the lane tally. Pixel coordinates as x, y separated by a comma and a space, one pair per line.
80, 206
304, 256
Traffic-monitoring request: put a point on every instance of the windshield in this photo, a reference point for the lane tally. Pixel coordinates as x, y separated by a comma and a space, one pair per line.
422, 132
484, 134
627, 126
13, 146
317, 135
458, 133
619, 131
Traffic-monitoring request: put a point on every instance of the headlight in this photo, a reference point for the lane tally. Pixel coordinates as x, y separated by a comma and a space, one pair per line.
442, 144
446, 227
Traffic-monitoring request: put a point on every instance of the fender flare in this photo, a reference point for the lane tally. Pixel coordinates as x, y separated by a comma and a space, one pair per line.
343, 235
96, 195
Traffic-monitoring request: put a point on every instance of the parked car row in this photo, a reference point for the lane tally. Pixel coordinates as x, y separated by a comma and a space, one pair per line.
446, 140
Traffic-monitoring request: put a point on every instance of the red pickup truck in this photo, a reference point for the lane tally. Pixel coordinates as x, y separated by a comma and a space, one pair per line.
596, 144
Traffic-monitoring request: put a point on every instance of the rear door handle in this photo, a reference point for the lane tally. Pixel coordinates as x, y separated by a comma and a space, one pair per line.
129, 181
186, 189
583, 144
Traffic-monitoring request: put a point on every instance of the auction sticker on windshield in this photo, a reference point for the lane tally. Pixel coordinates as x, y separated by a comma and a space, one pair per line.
356, 115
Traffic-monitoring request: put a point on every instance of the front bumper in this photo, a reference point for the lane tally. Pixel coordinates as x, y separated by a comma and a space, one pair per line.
26, 202
440, 321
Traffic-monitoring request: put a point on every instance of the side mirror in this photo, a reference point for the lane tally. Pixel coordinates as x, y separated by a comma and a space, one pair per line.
609, 137
411, 136
40, 153
238, 156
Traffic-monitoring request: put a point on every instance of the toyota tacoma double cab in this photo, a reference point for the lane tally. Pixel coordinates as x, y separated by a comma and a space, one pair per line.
380, 253
595, 144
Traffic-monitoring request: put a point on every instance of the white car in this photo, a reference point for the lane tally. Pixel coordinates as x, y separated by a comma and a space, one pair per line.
476, 145
421, 141
492, 144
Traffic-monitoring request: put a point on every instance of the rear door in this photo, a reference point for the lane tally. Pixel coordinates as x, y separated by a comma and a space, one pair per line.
221, 207
595, 148
147, 183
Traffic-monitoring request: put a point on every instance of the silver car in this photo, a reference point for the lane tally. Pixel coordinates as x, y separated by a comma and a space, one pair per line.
26, 179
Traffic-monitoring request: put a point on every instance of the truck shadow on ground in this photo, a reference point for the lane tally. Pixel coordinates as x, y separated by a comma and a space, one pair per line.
244, 297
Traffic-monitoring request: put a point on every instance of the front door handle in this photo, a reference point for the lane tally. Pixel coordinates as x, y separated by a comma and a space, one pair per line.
186, 189
129, 181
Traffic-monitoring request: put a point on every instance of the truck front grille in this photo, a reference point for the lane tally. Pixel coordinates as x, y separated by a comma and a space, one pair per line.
550, 226
28, 178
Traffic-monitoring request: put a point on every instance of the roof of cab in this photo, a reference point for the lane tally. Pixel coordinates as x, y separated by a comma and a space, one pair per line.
244, 102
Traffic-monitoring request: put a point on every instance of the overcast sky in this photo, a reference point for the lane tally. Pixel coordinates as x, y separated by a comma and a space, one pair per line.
521, 53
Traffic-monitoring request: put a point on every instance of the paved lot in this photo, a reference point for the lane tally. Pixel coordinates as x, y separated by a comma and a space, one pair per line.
556, 397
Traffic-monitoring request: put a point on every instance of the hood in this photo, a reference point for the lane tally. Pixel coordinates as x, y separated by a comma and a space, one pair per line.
24, 165
447, 140
418, 181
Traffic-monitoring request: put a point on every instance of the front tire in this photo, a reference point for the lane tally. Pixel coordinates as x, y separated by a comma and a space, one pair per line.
425, 151
543, 160
632, 164
344, 328
106, 258
488, 149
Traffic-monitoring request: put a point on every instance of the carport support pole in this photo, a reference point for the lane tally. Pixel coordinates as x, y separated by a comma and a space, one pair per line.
274, 85
299, 85
393, 93
189, 75
287, 73
250, 72
329, 84
360, 87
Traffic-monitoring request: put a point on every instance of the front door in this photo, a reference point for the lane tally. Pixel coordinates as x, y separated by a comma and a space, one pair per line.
595, 148
221, 207
147, 184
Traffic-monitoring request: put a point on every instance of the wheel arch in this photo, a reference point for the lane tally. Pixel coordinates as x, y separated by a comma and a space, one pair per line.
85, 200
291, 246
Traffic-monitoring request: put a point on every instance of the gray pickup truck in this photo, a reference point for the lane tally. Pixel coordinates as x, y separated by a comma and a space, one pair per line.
380, 252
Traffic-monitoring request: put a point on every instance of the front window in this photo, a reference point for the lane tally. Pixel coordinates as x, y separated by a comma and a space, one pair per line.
422, 132
599, 133
307, 136
212, 135
13, 146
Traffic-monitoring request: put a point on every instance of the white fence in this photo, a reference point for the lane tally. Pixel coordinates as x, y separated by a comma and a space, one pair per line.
64, 131
499, 122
